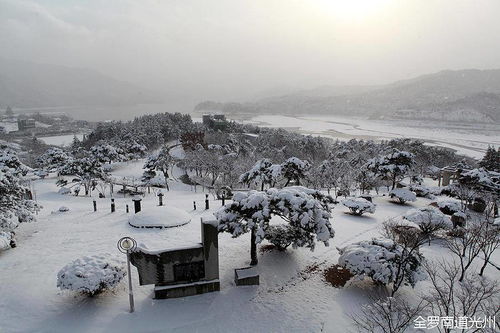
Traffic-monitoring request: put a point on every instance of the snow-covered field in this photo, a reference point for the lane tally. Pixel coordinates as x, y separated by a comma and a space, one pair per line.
292, 297
466, 138
61, 140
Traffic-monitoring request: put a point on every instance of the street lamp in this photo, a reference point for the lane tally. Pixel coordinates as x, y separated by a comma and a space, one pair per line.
126, 245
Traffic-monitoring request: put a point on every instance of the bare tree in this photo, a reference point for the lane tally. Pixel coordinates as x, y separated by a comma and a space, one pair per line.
466, 246
450, 298
490, 241
410, 240
388, 315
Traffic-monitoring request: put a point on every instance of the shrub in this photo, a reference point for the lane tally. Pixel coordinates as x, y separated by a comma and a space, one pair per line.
281, 236
91, 275
358, 206
403, 195
448, 206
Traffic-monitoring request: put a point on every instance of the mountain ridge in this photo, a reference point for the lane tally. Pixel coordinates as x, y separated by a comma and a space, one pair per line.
464, 95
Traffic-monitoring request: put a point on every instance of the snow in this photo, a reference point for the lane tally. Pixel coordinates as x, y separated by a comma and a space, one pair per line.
287, 300
160, 217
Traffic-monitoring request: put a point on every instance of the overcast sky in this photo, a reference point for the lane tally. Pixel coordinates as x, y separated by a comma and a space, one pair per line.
225, 48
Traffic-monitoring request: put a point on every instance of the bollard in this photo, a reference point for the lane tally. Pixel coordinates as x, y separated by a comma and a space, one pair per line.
160, 199
95, 206
113, 207
194, 205
137, 205
223, 200
126, 209
207, 205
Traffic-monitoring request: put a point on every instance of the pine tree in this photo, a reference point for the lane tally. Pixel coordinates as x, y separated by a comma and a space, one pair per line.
161, 161
491, 160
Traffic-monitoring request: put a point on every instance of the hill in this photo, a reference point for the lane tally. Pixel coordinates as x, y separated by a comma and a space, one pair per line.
464, 95
26, 84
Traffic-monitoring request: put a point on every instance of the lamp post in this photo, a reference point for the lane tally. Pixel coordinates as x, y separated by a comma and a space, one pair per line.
126, 245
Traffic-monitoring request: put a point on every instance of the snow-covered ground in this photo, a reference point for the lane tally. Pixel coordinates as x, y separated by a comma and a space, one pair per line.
61, 140
466, 138
291, 296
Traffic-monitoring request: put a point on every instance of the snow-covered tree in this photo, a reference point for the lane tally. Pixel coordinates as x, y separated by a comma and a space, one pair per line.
403, 195
294, 169
259, 173
428, 220
87, 172
106, 153
91, 275
383, 260
491, 160
53, 159
359, 206
160, 161
306, 211
392, 167
15, 203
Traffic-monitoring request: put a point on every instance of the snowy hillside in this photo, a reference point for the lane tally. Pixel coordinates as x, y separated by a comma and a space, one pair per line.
464, 95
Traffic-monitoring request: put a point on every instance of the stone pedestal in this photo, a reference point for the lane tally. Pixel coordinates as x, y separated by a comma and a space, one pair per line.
246, 276
188, 289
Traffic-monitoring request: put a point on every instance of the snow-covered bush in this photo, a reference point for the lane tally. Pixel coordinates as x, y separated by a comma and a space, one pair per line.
358, 206
424, 191
91, 275
428, 220
6, 240
448, 206
403, 195
383, 260
281, 236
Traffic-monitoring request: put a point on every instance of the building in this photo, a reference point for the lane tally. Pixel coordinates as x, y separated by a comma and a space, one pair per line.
216, 121
24, 124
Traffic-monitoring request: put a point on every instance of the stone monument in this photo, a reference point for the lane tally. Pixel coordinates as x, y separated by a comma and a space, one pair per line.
182, 271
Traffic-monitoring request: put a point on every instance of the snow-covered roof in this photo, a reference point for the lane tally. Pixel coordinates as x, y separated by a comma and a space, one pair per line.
160, 217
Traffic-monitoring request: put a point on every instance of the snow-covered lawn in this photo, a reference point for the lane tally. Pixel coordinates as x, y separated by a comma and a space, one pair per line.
291, 297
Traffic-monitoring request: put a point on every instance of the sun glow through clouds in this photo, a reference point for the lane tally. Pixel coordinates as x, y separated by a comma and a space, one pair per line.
352, 10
